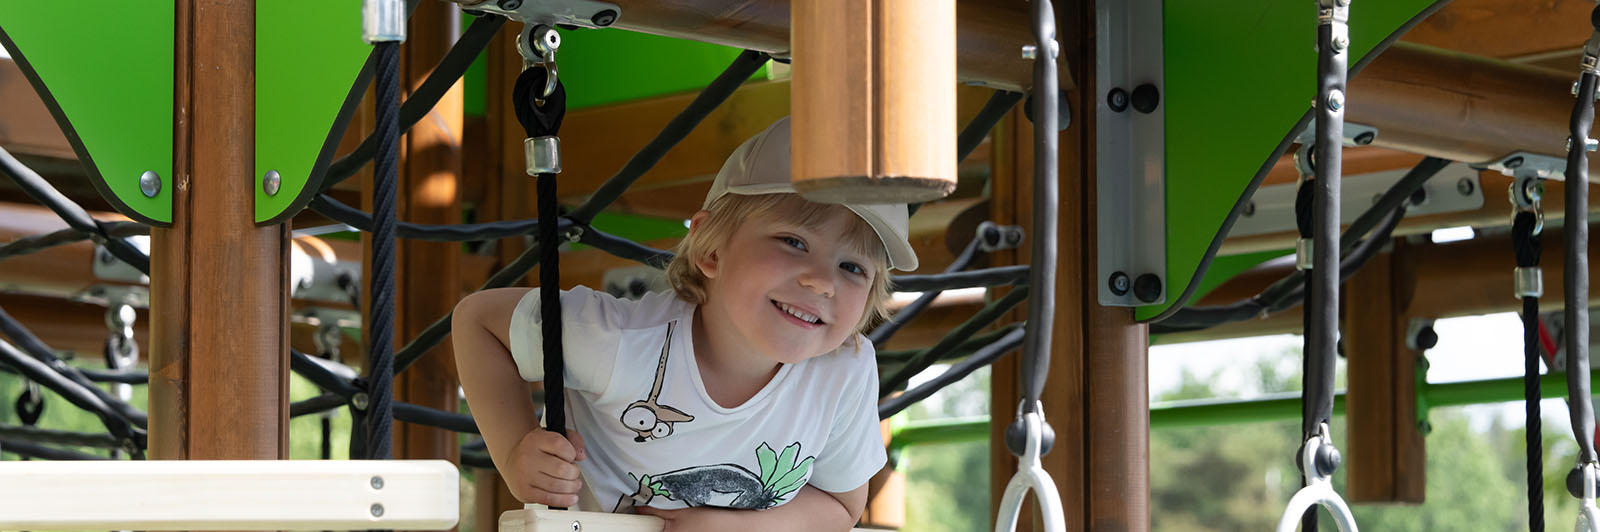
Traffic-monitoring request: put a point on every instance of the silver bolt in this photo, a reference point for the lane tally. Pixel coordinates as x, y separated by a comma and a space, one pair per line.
1591, 144
1336, 100
1340, 43
377, 510
576, 526
150, 183
1465, 186
360, 401
377, 483
271, 182
1030, 52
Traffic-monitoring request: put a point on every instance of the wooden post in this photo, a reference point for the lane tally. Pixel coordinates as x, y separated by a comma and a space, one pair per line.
1097, 399
886, 493
873, 114
1386, 452
428, 287
219, 284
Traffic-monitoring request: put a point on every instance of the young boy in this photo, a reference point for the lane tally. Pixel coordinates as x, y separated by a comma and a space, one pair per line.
748, 388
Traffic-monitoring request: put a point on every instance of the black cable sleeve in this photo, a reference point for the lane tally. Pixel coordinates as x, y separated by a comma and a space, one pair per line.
317, 405
38, 350
340, 212
996, 276
883, 332
1576, 272
432, 417
972, 135
36, 187
1266, 166
73, 392
1043, 241
380, 380
983, 357
965, 349
302, 365
679, 127
59, 437
626, 249
983, 318
36, 243
466, 49
34, 450
1323, 299
1398, 195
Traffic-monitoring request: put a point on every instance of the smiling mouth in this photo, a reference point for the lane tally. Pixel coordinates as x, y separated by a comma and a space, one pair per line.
798, 314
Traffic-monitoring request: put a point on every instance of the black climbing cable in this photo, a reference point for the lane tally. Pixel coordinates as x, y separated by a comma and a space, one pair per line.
1277, 153
35, 348
40, 190
745, 65
963, 350
972, 135
466, 49
41, 242
996, 276
1526, 243
380, 360
983, 318
984, 356
72, 391
33, 450
887, 329
1575, 274
59, 437
340, 212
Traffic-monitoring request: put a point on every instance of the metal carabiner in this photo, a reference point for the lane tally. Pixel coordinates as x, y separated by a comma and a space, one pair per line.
1317, 491
538, 45
1031, 475
1588, 513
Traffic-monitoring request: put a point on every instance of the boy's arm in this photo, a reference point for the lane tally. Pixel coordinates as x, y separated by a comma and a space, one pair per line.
812, 509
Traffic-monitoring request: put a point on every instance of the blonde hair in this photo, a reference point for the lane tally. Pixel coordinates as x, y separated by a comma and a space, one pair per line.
728, 211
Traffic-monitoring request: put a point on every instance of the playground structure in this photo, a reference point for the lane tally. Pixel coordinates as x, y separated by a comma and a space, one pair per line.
1150, 250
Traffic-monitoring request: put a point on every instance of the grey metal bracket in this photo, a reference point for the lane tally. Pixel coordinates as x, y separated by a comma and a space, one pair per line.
1524, 163
581, 13
1130, 128
1354, 134
1456, 188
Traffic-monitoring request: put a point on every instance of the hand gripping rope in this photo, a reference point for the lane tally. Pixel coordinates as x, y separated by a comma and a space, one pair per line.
1030, 437
1527, 221
1576, 281
1317, 457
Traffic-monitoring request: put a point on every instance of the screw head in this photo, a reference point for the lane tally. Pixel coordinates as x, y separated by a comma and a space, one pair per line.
377, 510
1514, 162
271, 182
576, 526
1030, 52
377, 482
1249, 209
604, 18
1119, 283
1146, 98
510, 5
1336, 100
1365, 138
360, 401
1117, 100
1464, 186
1340, 43
150, 183
1147, 288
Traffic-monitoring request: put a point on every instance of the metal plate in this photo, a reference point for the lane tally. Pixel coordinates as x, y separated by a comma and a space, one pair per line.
1130, 164
1453, 189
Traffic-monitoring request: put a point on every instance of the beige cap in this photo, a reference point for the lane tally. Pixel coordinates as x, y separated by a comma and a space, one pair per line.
761, 166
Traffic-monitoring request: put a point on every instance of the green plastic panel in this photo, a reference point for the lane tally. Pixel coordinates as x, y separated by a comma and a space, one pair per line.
105, 72
1238, 76
308, 56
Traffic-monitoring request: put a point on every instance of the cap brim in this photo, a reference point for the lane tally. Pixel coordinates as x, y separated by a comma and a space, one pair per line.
901, 257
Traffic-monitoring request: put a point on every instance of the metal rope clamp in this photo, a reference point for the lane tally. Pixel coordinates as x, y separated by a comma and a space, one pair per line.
1031, 475
1526, 191
538, 44
1318, 489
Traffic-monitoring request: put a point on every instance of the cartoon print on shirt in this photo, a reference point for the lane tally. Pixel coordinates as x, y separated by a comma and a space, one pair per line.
726, 485
647, 418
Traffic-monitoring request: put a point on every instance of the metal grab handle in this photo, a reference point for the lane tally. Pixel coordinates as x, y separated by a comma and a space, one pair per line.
1317, 491
1030, 475
1588, 513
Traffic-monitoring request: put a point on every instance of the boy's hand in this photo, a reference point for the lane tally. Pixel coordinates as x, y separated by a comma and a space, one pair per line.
544, 468
698, 519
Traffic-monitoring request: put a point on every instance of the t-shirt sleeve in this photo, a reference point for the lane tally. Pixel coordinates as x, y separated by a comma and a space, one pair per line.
854, 451
589, 336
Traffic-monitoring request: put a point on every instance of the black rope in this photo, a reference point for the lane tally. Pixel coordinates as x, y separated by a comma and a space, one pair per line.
40, 190
984, 356
38, 350
996, 276
1527, 246
965, 349
883, 332
340, 212
33, 450
59, 437
35, 243
380, 380
541, 116
950, 341
75, 393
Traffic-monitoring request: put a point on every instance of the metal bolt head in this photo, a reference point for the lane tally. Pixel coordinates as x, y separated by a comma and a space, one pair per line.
1464, 186
1249, 209
271, 182
150, 183
1591, 144
576, 526
1340, 43
1119, 283
1336, 100
360, 401
377, 482
1117, 100
377, 510
604, 18
510, 5
1030, 52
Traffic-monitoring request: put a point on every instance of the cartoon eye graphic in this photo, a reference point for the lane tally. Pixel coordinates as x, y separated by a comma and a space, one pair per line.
662, 430
639, 418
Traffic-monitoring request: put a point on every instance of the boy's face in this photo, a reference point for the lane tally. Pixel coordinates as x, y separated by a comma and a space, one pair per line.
786, 291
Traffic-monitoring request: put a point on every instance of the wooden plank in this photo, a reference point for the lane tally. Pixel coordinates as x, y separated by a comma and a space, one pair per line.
221, 316
1410, 449
1013, 164
429, 174
229, 495
1370, 341
1505, 28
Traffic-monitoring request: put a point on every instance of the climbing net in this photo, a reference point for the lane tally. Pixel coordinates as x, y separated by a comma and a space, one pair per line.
25, 354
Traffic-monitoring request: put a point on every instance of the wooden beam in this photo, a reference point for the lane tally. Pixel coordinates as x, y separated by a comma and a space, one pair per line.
426, 272
219, 332
1505, 28
28, 127
1385, 457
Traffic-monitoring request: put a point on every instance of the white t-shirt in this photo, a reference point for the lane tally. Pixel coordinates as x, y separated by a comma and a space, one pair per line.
655, 438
